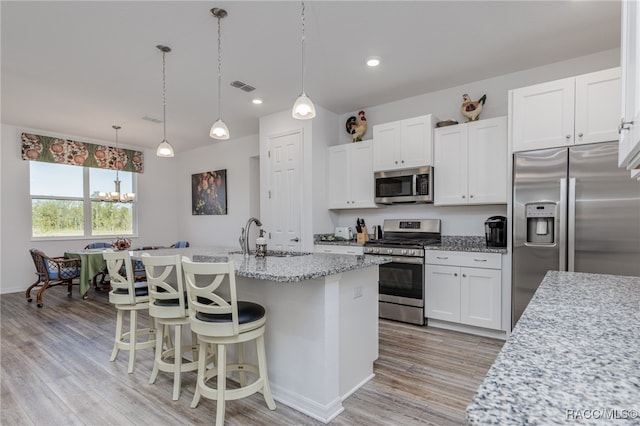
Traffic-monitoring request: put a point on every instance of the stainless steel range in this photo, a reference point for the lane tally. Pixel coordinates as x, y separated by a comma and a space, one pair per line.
401, 282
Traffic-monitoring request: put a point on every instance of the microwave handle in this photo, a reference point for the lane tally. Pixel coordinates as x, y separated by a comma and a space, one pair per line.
415, 184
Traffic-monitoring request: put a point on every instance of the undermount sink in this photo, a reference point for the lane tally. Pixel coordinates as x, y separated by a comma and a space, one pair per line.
275, 253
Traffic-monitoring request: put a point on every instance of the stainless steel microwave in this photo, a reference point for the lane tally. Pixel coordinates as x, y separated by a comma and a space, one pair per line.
404, 186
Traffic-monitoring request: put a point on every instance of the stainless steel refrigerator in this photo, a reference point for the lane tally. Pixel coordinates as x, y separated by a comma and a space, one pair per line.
573, 210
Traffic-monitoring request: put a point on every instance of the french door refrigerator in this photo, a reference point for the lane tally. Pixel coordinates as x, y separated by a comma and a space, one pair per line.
573, 210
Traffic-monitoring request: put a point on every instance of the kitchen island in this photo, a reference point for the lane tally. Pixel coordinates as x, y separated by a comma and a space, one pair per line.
574, 355
322, 321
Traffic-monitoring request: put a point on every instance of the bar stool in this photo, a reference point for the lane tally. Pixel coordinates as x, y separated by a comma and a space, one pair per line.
130, 296
167, 305
219, 319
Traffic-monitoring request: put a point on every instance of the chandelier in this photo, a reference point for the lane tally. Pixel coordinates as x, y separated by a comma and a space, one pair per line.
116, 196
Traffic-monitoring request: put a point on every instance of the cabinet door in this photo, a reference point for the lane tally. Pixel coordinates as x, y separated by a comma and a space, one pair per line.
597, 106
543, 115
487, 153
415, 142
480, 297
442, 292
629, 146
338, 187
450, 165
386, 146
361, 175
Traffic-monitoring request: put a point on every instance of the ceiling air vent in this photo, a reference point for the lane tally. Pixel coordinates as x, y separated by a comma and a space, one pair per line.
242, 86
152, 119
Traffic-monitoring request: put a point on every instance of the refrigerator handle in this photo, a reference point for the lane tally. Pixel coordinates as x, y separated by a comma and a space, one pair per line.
571, 226
562, 226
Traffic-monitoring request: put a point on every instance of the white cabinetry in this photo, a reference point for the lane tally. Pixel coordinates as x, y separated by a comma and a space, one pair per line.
350, 176
464, 288
576, 110
403, 144
629, 152
470, 164
335, 249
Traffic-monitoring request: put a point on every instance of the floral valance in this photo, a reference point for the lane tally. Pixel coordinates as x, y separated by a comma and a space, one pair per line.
64, 151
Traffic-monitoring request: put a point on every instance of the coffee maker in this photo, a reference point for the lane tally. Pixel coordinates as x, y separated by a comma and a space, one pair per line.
495, 230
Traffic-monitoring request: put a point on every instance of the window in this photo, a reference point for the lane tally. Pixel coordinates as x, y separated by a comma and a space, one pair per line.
64, 202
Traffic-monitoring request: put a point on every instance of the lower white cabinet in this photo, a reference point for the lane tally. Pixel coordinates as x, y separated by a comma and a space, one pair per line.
464, 287
334, 249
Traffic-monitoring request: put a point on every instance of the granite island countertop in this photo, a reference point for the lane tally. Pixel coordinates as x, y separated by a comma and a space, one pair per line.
288, 267
574, 355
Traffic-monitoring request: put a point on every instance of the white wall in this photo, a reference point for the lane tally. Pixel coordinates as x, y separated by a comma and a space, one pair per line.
445, 104
156, 208
237, 156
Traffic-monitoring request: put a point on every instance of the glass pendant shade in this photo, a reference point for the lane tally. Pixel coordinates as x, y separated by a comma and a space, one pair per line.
116, 196
164, 149
219, 130
303, 108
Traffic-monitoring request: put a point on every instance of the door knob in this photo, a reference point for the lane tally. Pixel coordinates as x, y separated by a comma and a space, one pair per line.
624, 125
296, 239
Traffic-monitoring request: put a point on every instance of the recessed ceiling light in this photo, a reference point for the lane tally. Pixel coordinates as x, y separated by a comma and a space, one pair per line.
257, 101
373, 61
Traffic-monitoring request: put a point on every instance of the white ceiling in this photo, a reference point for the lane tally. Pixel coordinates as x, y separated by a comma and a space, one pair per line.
77, 68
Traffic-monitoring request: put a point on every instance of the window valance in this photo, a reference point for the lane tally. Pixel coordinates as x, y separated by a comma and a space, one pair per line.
64, 151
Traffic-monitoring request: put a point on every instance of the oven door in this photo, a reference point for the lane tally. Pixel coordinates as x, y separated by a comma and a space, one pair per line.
402, 281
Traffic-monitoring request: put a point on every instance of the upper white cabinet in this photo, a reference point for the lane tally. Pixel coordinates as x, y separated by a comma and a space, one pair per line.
470, 163
629, 152
403, 144
350, 176
576, 110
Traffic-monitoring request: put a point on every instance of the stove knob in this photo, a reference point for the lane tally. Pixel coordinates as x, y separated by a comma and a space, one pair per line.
411, 252
389, 251
376, 250
403, 251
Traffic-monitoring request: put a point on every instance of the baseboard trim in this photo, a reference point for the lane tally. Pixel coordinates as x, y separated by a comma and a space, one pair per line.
485, 332
323, 413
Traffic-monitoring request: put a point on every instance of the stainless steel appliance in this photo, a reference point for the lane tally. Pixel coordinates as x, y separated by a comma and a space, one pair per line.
404, 186
573, 210
401, 282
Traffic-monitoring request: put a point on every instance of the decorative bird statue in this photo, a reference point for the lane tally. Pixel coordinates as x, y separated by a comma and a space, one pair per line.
357, 127
472, 109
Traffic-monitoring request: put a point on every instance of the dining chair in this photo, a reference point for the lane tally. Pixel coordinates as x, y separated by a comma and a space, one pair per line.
219, 319
168, 307
102, 274
51, 272
128, 295
180, 244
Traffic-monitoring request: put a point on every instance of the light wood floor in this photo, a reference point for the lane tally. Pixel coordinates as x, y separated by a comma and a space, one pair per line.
56, 371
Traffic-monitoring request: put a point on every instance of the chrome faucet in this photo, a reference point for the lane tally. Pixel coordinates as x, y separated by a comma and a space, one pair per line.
244, 236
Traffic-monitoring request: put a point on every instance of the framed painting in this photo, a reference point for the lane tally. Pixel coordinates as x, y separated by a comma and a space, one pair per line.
209, 193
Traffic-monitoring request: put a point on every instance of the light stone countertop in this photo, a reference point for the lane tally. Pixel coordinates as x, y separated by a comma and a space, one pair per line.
573, 357
272, 268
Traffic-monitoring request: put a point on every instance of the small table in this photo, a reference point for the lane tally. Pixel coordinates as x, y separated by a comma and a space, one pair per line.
91, 263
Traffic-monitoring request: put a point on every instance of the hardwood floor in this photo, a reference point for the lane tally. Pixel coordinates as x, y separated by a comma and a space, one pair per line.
55, 370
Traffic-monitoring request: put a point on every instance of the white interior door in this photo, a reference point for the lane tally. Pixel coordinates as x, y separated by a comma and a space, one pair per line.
285, 193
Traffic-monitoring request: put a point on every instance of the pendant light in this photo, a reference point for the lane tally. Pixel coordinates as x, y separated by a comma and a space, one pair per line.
219, 130
164, 149
116, 196
303, 108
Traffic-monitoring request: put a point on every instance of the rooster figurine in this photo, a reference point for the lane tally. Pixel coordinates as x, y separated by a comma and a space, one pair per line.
472, 109
357, 127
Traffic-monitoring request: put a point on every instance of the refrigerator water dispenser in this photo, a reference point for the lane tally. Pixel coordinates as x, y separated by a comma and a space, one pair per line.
540, 223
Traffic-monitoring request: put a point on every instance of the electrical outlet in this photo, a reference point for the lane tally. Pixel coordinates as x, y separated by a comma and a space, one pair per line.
357, 292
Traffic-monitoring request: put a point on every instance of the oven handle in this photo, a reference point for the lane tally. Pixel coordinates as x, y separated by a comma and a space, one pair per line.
412, 260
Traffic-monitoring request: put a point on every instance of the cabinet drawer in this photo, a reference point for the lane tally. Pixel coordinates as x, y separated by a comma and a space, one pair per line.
326, 248
467, 259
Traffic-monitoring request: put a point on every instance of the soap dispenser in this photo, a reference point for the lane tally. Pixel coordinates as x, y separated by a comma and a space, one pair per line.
261, 245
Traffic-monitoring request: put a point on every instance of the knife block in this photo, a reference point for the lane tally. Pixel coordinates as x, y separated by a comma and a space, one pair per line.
362, 237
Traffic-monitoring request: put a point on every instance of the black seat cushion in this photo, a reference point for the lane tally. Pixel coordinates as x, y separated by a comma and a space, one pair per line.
140, 288
171, 302
247, 312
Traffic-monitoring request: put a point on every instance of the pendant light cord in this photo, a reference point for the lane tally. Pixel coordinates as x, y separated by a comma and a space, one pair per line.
303, 37
164, 99
219, 72
117, 128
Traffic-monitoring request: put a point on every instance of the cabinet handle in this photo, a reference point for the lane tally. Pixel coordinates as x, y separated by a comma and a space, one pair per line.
479, 260
624, 125
464, 275
464, 196
455, 274
351, 252
326, 251
402, 161
353, 202
580, 135
396, 162
470, 196
568, 137
442, 258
